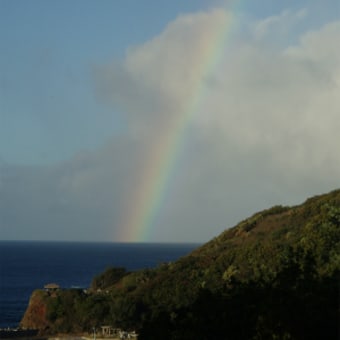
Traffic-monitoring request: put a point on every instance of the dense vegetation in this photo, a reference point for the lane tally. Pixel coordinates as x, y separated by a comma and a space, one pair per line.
273, 276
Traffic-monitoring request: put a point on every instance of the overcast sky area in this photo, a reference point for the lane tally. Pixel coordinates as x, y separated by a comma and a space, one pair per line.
163, 121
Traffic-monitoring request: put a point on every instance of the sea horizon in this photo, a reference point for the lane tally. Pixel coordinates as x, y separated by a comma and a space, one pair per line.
107, 242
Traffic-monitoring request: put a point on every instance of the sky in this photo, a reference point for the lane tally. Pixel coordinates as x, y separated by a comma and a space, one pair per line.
163, 121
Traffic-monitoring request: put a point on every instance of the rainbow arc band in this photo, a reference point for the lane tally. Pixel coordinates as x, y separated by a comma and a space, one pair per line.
154, 179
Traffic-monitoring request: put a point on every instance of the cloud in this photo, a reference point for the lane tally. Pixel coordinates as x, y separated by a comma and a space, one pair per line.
266, 129
265, 133
277, 26
156, 78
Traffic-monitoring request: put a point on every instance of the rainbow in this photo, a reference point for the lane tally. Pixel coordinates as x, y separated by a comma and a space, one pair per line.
149, 195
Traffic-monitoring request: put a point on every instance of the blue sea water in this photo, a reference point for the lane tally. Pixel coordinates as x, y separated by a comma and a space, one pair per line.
26, 266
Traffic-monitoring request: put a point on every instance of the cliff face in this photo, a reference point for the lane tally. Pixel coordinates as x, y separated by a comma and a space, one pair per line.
36, 313
61, 311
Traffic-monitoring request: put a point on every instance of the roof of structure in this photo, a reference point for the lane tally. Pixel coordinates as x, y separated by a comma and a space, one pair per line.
51, 286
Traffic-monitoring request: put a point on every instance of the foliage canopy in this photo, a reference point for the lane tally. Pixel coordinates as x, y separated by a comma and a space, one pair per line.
273, 276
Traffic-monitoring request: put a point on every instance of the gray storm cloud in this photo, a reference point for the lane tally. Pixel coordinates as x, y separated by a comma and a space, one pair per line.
266, 133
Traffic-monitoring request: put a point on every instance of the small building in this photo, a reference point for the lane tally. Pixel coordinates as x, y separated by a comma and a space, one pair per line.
108, 331
111, 332
51, 287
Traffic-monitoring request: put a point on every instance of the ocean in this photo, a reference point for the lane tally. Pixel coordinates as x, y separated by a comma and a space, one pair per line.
26, 266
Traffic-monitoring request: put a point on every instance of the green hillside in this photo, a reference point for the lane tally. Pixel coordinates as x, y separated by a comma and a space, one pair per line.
273, 276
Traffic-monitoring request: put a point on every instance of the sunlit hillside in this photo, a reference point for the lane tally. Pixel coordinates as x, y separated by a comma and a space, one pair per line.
273, 276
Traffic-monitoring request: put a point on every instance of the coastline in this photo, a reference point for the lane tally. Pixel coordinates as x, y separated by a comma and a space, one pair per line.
29, 265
